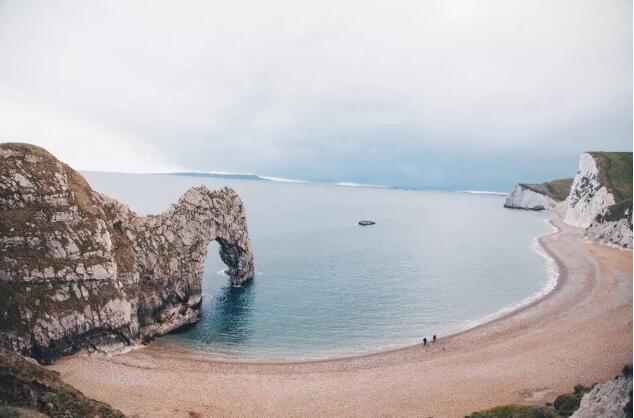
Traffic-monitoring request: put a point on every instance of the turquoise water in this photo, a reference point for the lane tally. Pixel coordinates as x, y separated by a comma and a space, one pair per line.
434, 263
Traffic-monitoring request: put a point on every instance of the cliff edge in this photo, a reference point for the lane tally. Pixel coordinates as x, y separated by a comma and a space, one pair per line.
598, 199
543, 196
81, 270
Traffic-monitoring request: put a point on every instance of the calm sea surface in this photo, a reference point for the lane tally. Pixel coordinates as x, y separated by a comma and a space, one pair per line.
434, 263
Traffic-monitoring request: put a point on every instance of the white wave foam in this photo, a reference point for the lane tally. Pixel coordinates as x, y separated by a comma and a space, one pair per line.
282, 179
352, 184
552, 273
218, 172
482, 192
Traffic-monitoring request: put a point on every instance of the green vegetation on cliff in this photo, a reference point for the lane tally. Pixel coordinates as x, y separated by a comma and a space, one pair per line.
615, 169
564, 405
28, 390
556, 189
517, 411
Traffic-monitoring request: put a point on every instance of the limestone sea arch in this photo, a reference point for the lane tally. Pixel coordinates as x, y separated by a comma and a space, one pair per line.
81, 270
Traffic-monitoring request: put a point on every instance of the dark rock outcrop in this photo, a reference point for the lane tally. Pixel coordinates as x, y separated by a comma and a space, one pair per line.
30, 390
81, 270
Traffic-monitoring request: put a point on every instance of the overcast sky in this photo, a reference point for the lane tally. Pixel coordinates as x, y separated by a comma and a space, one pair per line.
443, 94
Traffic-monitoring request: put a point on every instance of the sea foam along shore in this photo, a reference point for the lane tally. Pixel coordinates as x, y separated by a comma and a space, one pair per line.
552, 279
579, 333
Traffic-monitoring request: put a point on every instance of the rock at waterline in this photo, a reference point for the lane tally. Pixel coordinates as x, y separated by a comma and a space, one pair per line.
366, 223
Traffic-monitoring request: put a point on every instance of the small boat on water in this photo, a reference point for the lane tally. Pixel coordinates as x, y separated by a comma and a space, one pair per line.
366, 223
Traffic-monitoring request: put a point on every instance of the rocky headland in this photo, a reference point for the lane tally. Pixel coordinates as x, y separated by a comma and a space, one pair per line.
598, 199
543, 196
79, 270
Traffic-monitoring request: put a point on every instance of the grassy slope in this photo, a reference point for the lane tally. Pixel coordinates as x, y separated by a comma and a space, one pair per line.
27, 389
556, 189
615, 169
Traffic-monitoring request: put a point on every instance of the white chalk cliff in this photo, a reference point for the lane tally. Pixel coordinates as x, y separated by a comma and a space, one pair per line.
81, 270
522, 197
588, 197
614, 233
590, 204
593, 207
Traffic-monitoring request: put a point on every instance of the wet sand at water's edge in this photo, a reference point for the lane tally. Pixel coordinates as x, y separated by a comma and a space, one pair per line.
581, 332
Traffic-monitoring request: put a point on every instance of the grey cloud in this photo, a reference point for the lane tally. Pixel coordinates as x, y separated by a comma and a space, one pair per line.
445, 94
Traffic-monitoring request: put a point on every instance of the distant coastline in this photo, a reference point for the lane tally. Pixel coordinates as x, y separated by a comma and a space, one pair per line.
258, 177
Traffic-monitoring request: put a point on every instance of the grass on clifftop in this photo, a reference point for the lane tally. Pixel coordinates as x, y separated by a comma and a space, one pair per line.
615, 169
517, 411
30, 390
556, 189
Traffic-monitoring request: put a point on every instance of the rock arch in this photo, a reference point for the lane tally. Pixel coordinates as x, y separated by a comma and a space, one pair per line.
79, 269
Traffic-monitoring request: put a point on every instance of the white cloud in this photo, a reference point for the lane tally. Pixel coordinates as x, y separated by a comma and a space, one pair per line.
82, 144
275, 86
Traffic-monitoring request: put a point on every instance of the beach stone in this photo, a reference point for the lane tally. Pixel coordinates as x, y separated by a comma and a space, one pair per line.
99, 276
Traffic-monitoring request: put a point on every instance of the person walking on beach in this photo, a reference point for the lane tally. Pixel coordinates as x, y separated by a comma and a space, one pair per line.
433, 340
425, 342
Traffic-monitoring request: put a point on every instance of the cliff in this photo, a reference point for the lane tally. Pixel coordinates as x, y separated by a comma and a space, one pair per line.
81, 270
601, 198
598, 199
543, 196
610, 399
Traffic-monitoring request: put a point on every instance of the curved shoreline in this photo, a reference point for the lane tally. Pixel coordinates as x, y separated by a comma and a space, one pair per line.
525, 303
580, 332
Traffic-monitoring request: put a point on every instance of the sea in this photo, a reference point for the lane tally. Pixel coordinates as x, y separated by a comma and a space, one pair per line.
435, 263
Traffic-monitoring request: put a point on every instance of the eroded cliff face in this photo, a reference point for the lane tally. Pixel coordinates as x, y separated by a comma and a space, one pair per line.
593, 207
588, 196
522, 197
610, 399
598, 199
613, 227
81, 270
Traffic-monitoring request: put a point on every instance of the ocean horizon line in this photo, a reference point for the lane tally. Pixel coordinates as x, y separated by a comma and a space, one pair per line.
276, 179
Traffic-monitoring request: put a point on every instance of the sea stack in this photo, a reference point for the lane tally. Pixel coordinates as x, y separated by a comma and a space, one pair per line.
81, 270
